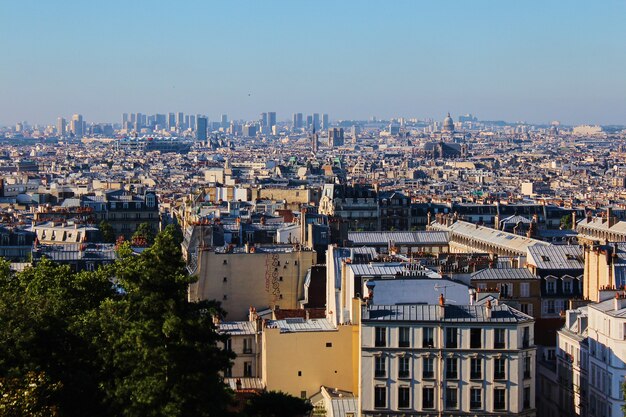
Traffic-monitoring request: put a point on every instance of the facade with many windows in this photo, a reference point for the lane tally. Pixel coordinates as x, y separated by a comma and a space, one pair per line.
420, 360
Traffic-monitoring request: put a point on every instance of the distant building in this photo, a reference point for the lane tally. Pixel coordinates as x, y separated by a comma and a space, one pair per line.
61, 126
271, 119
77, 125
335, 137
201, 128
249, 131
325, 124
448, 124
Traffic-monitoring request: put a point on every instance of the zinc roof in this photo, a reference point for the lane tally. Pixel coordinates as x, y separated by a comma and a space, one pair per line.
453, 313
399, 238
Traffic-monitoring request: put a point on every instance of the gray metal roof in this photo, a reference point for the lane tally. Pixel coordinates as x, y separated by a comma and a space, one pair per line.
234, 328
487, 235
300, 325
505, 274
342, 406
453, 314
556, 257
392, 269
399, 238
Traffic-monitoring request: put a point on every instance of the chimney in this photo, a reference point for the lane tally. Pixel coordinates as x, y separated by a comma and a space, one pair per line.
488, 310
442, 307
619, 302
574, 220
609, 216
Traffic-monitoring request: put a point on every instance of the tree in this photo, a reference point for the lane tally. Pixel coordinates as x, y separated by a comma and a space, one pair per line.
144, 231
277, 404
108, 235
119, 341
160, 351
566, 222
31, 395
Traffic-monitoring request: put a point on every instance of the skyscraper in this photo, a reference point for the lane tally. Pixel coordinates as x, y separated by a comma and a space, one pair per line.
201, 127
297, 120
316, 121
309, 122
124, 119
61, 126
180, 121
76, 125
263, 120
325, 121
224, 120
271, 119
171, 121
192, 122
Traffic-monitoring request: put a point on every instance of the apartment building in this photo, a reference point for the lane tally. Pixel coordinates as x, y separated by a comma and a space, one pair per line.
420, 360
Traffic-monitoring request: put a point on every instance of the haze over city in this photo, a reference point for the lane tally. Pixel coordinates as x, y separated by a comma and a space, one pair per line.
312, 208
533, 61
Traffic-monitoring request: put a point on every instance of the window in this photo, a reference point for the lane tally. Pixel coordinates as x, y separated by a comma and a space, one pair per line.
451, 398
550, 286
428, 398
506, 289
380, 397
403, 367
404, 336
247, 369
228, 345
427, 337
499, 368
476, 398
475, 338
476, 371
527, 367
526, 308
525, 337
329, 344
567, 286
247, 345
499, 399
498, 338
404, 396
549, 307
381, 337
451, 337
524, 289
526, 398
380, 367
452, 368
428, 368
229, 372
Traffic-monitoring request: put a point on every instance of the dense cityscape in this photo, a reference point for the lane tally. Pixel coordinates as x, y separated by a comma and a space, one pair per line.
285, 208
378, 267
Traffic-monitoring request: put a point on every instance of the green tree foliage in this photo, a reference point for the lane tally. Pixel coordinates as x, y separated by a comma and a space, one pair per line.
120, 341
145, 231
277, 404
566, 222
31, 395
108, 235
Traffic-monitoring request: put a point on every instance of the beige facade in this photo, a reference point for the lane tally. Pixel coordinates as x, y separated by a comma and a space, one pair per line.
269, 277
313, 354
290, 195
599, 273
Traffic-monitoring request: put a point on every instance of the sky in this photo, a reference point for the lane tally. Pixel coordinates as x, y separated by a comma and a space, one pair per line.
531, 60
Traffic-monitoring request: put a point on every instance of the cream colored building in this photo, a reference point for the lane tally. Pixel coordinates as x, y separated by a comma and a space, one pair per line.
299, 356
245, 341
605, 269
260, 277
442, 359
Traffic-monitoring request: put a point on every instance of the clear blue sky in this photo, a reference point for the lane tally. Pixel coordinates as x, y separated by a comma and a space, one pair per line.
533, 60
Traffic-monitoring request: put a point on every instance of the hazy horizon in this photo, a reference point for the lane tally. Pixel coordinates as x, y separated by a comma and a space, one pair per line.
510, 61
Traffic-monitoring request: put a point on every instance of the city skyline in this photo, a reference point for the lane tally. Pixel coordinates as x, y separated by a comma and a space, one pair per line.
534, 62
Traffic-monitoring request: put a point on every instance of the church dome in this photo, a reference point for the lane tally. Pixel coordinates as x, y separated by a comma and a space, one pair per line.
448, 124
